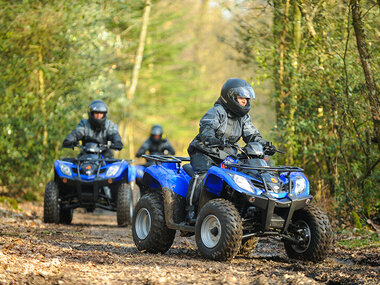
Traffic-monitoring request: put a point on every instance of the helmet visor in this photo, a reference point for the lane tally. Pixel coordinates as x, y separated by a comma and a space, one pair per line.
244, 92
98, 107
156, 132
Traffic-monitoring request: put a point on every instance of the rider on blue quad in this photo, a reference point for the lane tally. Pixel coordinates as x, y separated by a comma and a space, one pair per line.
94, 179
227, 121
156, 144
97, 129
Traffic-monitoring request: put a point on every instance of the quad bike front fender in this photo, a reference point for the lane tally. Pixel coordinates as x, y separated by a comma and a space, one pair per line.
167, 175
216, 178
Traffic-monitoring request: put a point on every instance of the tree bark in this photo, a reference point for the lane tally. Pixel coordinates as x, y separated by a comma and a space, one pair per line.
308, 19
140, 51
293, 94
282, 54
41, 81
362, 45
135, 74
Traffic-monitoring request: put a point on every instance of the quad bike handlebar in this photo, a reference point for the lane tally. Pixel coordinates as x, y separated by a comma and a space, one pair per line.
165, 158
237, 147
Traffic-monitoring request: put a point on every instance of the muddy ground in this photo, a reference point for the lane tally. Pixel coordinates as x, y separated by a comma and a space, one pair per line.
93, 250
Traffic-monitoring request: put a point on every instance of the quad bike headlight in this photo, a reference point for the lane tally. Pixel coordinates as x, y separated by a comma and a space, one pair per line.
65, 169
112, 170
299, 185
242, 182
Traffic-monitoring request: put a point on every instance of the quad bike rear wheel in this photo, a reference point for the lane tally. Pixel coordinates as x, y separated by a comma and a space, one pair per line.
311, 227
218, 230
149, 229
51, 203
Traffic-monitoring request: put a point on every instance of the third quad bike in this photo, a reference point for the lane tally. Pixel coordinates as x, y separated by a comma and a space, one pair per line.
241, 200
91, 181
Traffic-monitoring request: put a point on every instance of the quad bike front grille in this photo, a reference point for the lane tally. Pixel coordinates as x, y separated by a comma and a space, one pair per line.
258, 184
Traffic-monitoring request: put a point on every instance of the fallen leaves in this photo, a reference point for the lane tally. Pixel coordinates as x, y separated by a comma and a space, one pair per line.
95, 251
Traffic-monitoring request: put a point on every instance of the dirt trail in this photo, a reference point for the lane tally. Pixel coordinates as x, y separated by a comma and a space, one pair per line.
93, 250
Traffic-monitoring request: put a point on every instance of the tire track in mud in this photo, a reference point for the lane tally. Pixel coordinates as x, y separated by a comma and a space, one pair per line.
94, 250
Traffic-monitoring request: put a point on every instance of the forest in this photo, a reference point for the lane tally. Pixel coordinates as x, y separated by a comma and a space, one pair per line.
313, 64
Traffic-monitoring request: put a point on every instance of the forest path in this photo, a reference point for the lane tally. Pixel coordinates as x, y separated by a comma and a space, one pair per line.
93, 250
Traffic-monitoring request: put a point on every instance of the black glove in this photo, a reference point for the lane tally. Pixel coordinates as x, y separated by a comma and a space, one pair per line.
69, 144
116, 146
213, 141
269, 148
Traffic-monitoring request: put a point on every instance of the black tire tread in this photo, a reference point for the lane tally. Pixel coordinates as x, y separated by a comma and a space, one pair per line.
66, 216
51, 206
160, 237
124, 195
321, 235
135, 194
231, 237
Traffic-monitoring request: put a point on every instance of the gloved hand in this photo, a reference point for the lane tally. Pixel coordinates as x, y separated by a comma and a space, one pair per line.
116, 146
74, 145
269, 148
213, 141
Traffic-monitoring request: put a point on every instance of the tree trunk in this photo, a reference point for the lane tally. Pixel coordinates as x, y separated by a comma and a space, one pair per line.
199, 68
43, 96
140, 51
135, 74
292, 97
373, 95
283, 94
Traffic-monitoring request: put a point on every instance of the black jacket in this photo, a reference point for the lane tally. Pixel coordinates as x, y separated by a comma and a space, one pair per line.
155, 147
85, 132
220, 124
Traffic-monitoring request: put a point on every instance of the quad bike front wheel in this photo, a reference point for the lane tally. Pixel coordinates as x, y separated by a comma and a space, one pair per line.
311, 227
51, 203
149, 229
124, 204
218, 230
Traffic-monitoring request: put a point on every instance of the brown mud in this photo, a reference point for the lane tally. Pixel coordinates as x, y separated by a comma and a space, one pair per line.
93, 250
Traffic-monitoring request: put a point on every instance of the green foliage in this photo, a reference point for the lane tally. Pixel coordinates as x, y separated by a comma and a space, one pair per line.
47, 71
10, 202
323, 117
359, 239
58, 56
356, 219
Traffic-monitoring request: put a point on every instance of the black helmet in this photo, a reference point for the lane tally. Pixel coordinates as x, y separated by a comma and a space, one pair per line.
233, 88
156, 131
97, 106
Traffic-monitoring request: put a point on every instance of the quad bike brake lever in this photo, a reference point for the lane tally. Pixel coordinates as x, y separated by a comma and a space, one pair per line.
280, 151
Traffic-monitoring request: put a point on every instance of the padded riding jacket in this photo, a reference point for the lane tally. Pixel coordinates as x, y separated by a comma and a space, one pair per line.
86, 133
220, 124
155, 147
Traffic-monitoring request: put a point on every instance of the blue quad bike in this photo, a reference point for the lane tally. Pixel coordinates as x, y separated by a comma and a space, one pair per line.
91, 181
241, 200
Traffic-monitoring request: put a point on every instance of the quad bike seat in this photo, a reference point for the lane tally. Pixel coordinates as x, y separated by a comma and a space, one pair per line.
188, 169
